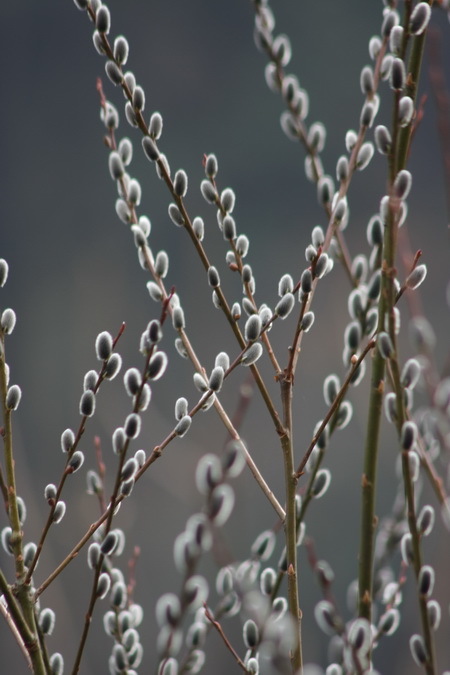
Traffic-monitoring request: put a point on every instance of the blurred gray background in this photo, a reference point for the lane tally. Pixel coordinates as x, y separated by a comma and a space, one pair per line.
74, 272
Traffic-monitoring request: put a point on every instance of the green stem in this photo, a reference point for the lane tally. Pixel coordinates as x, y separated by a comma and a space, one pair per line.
290, 523
397, 161
404, 142
31, 641
368, 520
13, 511
386, 303
22, 592
413, 70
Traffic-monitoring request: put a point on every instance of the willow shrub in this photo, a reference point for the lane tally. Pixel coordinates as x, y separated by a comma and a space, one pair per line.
248, 603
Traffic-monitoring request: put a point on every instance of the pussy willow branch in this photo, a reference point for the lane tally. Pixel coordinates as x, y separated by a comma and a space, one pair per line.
114, 500
401, 416
412, 267
67, 472
188, 346
430, 665
335, 405
312, 152
333, 227
183, 335
415, 309
231, 430
197, 244
431, 374
286, 438
248, 291
221, 297
221, 411
250, 296
157, 452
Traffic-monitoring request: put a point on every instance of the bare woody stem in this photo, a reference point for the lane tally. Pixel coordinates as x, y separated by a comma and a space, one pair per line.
228, 644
